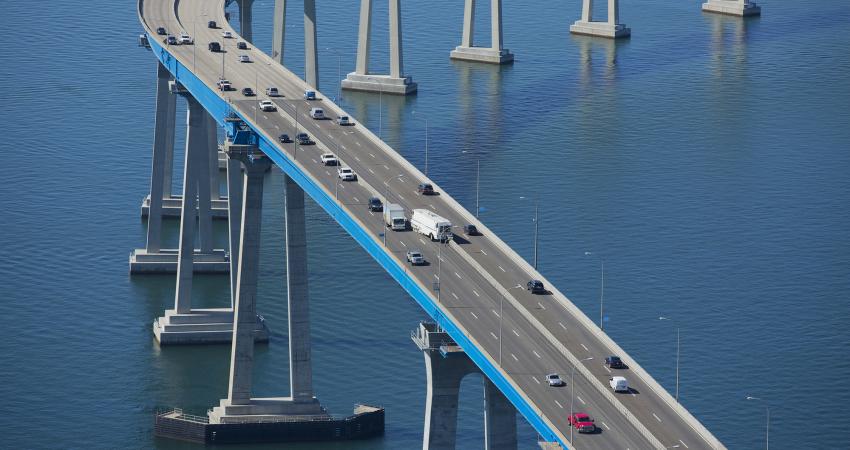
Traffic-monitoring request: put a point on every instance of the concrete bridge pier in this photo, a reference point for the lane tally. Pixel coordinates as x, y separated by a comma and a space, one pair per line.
311, 52
732, 7
446, 364
612, 28
153, 258
494, 54
184, 325
361, 79
240, 406
246, 18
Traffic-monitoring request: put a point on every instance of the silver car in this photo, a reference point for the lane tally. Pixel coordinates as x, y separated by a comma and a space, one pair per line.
415, 257
554, 380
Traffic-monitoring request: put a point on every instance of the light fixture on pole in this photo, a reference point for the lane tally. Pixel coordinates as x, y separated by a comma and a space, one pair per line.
767, 426
573, 392
677, 357
601, 291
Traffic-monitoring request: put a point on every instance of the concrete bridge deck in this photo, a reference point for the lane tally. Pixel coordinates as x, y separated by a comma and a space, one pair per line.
478, 275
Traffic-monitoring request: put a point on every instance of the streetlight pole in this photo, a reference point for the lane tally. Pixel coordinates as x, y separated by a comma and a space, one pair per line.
601, 292
573, 393
767, 426
677, 357
477, 184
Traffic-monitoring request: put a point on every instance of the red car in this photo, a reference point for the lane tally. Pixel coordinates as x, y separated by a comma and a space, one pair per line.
582, 422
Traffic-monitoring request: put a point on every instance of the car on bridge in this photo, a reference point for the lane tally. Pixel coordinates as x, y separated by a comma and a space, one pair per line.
223, 84
214, 47
241, 45
212, 24
425, 189
471, 230
309, 95
226, 34
329, 159
582, 422
614, 362
248, 92
343, 121
535, 286
267, 105
415, 258
272, 92
346, 174
317, 113
304, 139
161, 31
554, 380
171, 40
244, 58
619, 384
186, 39
375, 204
284, 138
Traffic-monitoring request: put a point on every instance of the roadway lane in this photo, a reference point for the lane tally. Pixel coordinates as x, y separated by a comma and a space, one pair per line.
471, 299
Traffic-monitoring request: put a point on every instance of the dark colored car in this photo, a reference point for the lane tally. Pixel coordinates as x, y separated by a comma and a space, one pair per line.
241, 45
304, 139
214, 47
425, 189
212, 24
375, 204
161, 31
470, 230
248, 92
535, 286
284, 139
614, 362
171, 40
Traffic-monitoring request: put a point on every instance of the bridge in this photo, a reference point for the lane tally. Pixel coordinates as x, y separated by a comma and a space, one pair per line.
483, 318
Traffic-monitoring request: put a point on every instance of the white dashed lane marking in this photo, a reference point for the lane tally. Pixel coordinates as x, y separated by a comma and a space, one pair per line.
541, 305
494, 335
517, 334
535, 379
606, 426
535, 353
500, 268
656, 417
402, 243
585, 348
495, 312
474, 292
683, 443
559, 404
473, 314
458, 276
562, 325
514, 357
455, 296
483, 252
579, 399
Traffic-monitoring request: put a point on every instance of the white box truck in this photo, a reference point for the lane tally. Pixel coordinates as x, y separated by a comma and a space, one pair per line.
430, 224
394, 217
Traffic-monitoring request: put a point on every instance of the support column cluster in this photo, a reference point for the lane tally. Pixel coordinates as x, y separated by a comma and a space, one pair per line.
495, 53
611, 28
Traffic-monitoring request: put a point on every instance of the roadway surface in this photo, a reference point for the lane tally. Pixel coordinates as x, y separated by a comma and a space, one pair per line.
475, 300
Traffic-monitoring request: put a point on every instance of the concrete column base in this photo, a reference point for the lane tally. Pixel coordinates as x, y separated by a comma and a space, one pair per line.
600, 29
269, 409
201, 326
171, 207
732, 8
165, 261
222, 160
482, 54
379, 83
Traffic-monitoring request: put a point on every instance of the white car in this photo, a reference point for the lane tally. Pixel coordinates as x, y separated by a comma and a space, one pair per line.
244, 58
554, 380
317, 113
223, 85
414, 257
346, 174
329, 159
267, 105
343, 121
227, 34
272, 92
185, 39
619, 384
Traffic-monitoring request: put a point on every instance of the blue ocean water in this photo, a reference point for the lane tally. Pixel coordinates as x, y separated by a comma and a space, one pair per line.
705, 159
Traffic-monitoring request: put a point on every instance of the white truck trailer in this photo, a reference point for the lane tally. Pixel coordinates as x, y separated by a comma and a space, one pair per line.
430, 224
394, 217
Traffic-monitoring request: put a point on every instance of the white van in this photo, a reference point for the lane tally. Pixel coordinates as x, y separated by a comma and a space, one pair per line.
619, 384
317, 113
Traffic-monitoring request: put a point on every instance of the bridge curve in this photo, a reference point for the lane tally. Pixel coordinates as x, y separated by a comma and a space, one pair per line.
541, 333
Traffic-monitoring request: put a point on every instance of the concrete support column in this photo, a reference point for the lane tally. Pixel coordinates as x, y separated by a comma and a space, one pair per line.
196, 141
203, 172
496, 24
364, 38
245, 19
163, 150
234, 203
300, 368
212, 145
499, 419
587, 11
611, 28
443, 391
468, 23
311, 51
613, 12
279, 32
245, 314
396, 63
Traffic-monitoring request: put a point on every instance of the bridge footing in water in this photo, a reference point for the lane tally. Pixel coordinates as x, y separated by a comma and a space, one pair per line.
732, 7
482, 54
600, 29
171, 207
201, 326
165, 261
379, 83
366, 422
